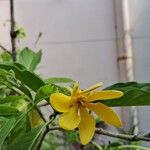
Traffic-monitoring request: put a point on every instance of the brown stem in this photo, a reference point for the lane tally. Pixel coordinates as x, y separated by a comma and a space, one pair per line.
38, 38
42, 138
42, 105
12, 30
40, 113
115, 135
122, 136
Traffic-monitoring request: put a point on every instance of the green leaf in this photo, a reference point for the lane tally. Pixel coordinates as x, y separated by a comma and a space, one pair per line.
11, 99
132, 147
52, 141
28, 140
20, 104
19, 128
71, 136
58, 80
20, 33
6, 128
135, 94
6, 57
113, 145
26, 77
18, 131
4, 73
43, 93
35, 118
29, 58
8, 110
61, 89
19, 66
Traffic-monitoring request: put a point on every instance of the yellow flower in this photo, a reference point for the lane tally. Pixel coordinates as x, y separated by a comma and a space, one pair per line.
75, 109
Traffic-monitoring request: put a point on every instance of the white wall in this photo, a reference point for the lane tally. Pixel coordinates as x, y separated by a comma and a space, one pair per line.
141, 38
78, 37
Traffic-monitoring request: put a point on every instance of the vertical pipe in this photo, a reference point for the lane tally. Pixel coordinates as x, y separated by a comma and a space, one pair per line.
125, 56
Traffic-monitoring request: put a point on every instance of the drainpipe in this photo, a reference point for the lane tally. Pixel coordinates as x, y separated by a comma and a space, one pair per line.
124, 45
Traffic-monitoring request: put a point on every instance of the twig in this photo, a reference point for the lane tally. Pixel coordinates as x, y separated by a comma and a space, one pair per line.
4, 49
97, 145
115, 135
147, 135
40, 113
42, 138
122, 136
12, 31
38, 38
42, 105
56, 128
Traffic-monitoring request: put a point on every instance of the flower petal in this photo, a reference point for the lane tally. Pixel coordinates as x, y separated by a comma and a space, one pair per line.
86, 126
70, 120
105, 113
105, 95
93, 87
60, 102
75, 89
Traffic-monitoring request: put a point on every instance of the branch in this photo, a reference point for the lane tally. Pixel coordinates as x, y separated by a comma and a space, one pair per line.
12, 31
42, 105
4, 49
115, 135
38, 38
122, 136
40, 113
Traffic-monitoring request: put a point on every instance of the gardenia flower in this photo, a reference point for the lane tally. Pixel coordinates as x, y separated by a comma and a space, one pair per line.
77, 107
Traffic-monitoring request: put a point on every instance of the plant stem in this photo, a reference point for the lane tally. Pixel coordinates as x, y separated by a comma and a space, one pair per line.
122, 136
4, 49
38, 38
39, 133
40, 113
52, 117
97, 146
42, 138
42, 105
12, 30
115, 135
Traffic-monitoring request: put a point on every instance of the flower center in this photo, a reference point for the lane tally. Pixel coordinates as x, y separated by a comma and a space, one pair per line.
81, 101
